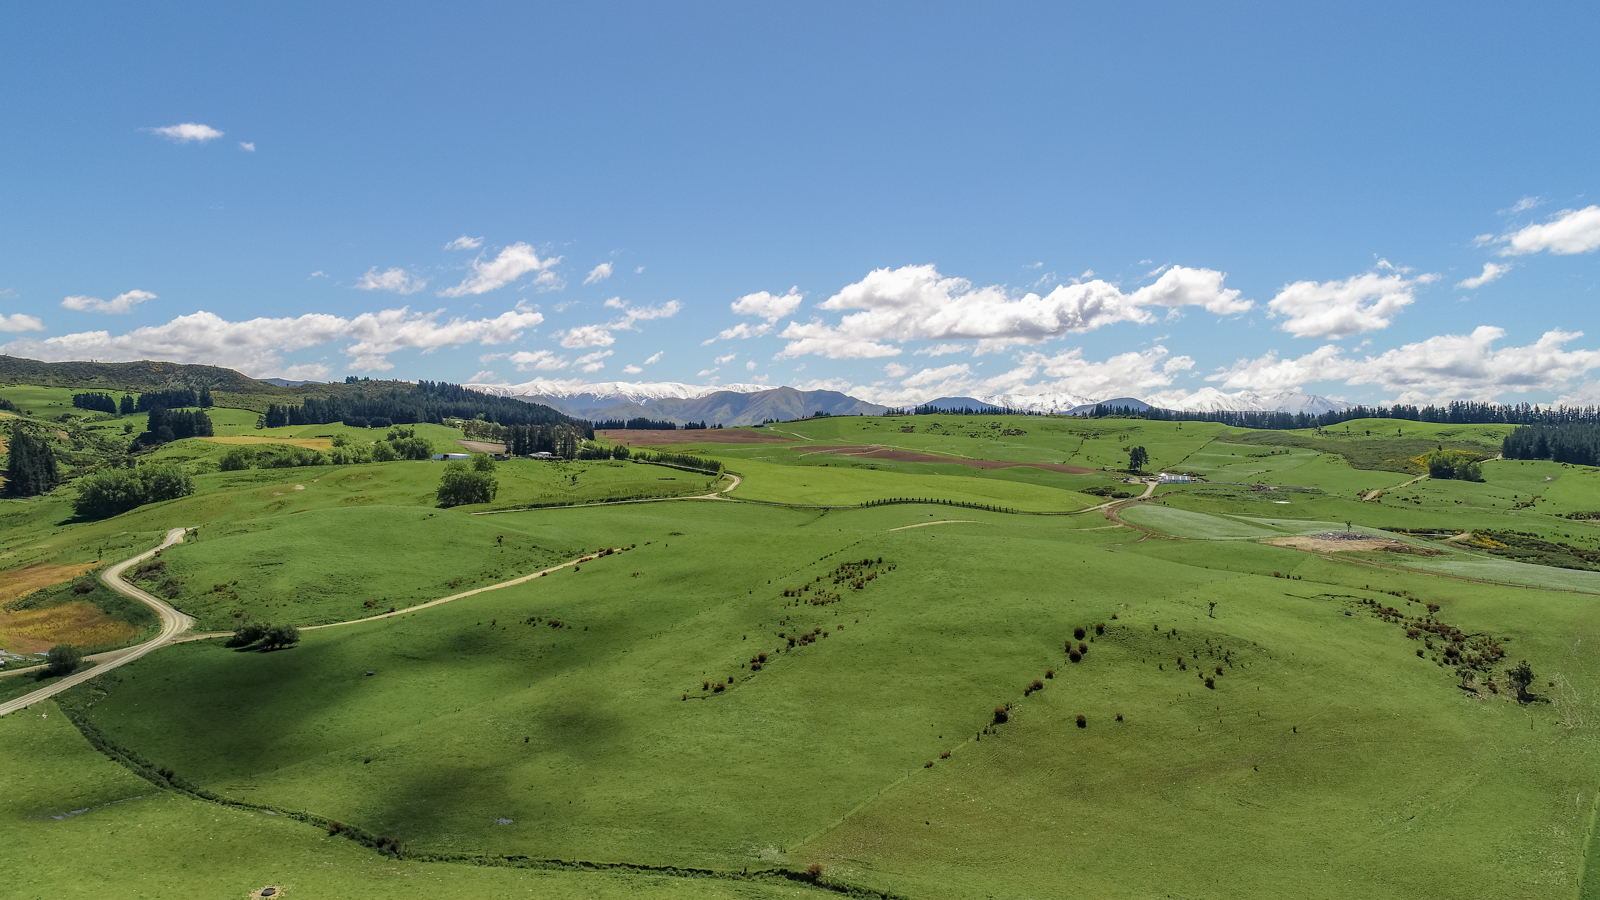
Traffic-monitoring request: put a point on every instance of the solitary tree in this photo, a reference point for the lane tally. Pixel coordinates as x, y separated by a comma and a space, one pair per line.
62, 659
1521, 677
468, 484
1137, 457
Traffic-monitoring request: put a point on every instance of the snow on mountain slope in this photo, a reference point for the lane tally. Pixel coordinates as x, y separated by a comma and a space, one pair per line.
1213, 400
577, 395
580, 395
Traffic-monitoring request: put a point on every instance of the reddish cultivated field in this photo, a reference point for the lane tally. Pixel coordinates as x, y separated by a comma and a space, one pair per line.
913, 456
641, 438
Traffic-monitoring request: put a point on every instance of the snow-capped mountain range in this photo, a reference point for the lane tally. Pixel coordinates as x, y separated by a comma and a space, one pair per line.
625, 399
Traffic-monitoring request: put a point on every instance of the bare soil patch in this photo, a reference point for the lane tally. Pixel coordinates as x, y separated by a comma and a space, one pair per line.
21, 582
308, 443
35, 630
1344, 542
632, 437
483, 446
876, 452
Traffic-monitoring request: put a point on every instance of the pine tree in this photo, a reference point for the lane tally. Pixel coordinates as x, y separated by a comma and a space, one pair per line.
31, 466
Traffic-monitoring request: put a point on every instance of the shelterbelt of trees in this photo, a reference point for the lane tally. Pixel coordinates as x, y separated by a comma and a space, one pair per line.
1459, 412
401, 403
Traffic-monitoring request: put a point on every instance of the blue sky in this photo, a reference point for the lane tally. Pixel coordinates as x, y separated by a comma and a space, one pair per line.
1087, 201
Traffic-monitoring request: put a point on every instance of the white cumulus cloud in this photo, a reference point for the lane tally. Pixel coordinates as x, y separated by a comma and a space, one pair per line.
767, 305
1491, 272
631, 369
1441, 368
247, 146
187, 132
917, 303
512, 263
465, 243
254, 346
598, 274
20, 322
1336, 309
587, 336
1570, 231
118, 305
397, 280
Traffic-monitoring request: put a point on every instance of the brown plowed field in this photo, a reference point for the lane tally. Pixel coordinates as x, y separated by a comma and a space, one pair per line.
913, 456
641, 438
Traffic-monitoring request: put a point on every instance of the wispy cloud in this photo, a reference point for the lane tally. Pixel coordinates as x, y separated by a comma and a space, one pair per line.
465, 243
118, 305
598, 274
397, 280
247, 146
1491, 272
187, 132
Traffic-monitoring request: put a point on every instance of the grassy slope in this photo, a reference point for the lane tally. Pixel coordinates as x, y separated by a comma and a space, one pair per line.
617, 767
130, 839
1303, 765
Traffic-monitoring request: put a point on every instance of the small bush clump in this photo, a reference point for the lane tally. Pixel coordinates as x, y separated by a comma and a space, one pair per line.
1001, 715
1083, 721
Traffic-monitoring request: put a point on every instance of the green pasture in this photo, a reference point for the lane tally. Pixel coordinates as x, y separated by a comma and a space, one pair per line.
572, 718
579, 735
848, 484
74, 824
1092, 443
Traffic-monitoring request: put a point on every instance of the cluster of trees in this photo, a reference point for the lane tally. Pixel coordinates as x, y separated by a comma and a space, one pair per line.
31, 467
927, 410
681, 460
172, 424
127, 405
639, 423
402, 403
401, 443
465, 482
105, 403
112, 491
175, 398
1575, 442
263, 636
556, 439
1453, 464
1137, 457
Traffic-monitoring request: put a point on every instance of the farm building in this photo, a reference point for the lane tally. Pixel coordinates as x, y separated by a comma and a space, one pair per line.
1173, 478
452, 456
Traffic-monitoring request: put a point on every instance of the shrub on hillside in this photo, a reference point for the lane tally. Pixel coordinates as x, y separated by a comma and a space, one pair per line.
464, 484
62, 659
112, 491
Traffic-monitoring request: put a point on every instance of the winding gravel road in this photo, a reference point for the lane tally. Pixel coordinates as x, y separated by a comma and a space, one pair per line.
173, 624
